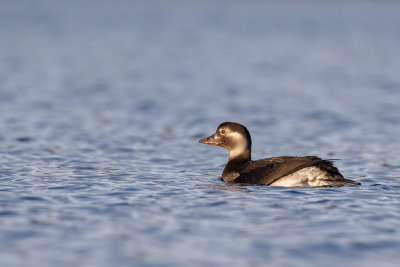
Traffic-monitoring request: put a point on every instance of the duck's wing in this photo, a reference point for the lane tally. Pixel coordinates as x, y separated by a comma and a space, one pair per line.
267, 171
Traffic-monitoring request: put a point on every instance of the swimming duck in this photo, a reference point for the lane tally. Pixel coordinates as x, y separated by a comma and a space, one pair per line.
287, 171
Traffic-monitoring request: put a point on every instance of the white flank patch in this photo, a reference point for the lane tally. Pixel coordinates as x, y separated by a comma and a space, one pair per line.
311, 176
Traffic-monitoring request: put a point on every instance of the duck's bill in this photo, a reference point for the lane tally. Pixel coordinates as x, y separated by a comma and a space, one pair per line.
209, 141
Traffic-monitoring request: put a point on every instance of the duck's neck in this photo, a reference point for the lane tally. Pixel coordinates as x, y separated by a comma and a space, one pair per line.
236, 160
240, 154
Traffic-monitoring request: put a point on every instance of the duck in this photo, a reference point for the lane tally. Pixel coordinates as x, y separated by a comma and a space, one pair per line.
285, 171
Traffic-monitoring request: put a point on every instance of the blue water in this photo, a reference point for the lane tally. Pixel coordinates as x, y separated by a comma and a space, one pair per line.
102, 104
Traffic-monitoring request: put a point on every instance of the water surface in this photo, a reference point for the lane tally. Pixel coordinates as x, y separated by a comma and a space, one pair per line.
102, 104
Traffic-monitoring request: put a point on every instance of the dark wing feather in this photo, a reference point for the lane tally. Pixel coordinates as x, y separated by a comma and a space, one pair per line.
267, 171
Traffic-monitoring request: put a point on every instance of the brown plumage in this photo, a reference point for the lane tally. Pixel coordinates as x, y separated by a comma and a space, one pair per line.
280, 171
267, 171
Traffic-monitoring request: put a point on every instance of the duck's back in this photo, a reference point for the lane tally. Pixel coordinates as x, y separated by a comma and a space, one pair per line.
292, 171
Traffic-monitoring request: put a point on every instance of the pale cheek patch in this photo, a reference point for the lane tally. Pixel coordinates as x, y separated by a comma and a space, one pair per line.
238, 138
240, 144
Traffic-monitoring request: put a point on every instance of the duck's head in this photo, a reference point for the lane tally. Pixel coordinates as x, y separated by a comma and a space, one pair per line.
232, 136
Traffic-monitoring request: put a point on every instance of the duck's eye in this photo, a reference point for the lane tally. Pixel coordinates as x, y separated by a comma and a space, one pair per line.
222, 131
